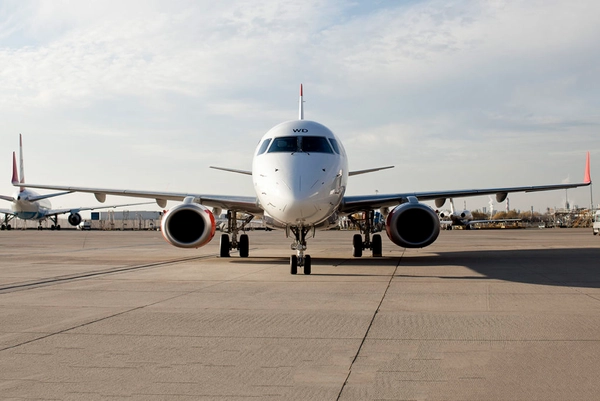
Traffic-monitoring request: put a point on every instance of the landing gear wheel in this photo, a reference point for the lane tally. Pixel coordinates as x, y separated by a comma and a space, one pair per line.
376, 246
357, 245
8, 227
293, 264
52, 227
224, 246
307, 264
244, 246
58, 227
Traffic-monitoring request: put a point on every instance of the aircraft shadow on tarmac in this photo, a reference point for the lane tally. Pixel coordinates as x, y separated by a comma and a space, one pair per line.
572, 267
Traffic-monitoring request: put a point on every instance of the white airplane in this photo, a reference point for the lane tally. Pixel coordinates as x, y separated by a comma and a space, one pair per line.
456, 218
29, 205
300, 174
464, 218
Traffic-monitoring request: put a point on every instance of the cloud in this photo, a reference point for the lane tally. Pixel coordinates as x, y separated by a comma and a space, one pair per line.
461, 86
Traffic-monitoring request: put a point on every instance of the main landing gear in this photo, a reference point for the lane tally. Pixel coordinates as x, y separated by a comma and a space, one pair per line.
299, 245
54, 226
367, 227
5, 225
227, 244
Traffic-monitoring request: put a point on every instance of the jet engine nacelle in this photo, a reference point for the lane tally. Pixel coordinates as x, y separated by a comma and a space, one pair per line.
412, 225
74, 219
188, 225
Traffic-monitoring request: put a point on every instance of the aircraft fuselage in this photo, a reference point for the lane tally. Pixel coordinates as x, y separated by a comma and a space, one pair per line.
300, 173
28, 210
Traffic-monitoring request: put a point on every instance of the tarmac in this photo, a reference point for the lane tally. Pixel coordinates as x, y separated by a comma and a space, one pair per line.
478, 315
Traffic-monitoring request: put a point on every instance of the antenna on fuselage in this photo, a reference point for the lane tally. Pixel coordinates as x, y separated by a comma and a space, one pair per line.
301, 108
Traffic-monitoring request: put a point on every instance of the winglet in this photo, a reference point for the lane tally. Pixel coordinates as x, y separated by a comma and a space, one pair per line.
15, 177
587, 178
301, 108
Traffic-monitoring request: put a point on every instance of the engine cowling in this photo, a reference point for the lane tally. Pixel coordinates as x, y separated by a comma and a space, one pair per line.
74, 219
188, 225
412, 225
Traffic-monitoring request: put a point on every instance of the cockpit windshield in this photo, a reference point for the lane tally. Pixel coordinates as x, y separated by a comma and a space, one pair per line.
307, 144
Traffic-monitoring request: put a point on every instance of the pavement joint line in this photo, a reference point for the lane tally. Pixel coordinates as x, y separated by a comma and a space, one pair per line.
64, 331
71, 277
370, 325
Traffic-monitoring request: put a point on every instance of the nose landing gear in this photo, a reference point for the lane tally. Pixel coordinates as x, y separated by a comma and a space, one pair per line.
299, 245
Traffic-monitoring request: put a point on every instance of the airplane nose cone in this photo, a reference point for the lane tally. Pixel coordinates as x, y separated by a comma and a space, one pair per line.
299, 197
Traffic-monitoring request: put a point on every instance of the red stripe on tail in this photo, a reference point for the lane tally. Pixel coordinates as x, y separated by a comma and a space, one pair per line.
587, 178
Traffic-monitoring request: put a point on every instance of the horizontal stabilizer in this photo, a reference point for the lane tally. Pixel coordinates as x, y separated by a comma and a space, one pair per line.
7, 198
40, 197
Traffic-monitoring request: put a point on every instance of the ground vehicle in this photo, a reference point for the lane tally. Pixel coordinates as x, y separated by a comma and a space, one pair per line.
84, 225
596, 224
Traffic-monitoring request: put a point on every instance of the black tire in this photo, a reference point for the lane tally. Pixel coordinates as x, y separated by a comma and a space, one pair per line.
224, 246
244, 246
52, 227
293, 264
307, 264
357, 246
376, 246
58, 227
9, 227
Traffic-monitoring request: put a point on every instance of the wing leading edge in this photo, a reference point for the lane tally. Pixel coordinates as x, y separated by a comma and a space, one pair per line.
351, 204
235, 203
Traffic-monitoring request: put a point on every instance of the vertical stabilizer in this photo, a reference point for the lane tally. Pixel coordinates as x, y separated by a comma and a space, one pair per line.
21, 169
451, 205
301, 107
588, 177
15, 176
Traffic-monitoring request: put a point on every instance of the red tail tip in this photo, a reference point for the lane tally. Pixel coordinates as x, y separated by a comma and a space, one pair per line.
300, 89
588, 177
15, 176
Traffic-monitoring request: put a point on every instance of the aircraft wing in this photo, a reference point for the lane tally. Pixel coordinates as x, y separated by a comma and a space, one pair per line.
352, 204
248, 204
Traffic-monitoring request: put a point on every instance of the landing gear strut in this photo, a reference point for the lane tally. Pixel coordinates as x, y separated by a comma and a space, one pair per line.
5, 225
227, 244
299, 245
54, 226
367, 227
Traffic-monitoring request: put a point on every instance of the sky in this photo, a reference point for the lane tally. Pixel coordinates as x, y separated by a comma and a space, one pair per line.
456, 94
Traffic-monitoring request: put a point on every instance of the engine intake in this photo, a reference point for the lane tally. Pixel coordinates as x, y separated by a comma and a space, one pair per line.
188, 225
74, 219
412, 225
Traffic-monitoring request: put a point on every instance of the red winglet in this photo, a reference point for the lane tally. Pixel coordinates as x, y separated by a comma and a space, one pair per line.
300, 89
587, 178
15, 176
